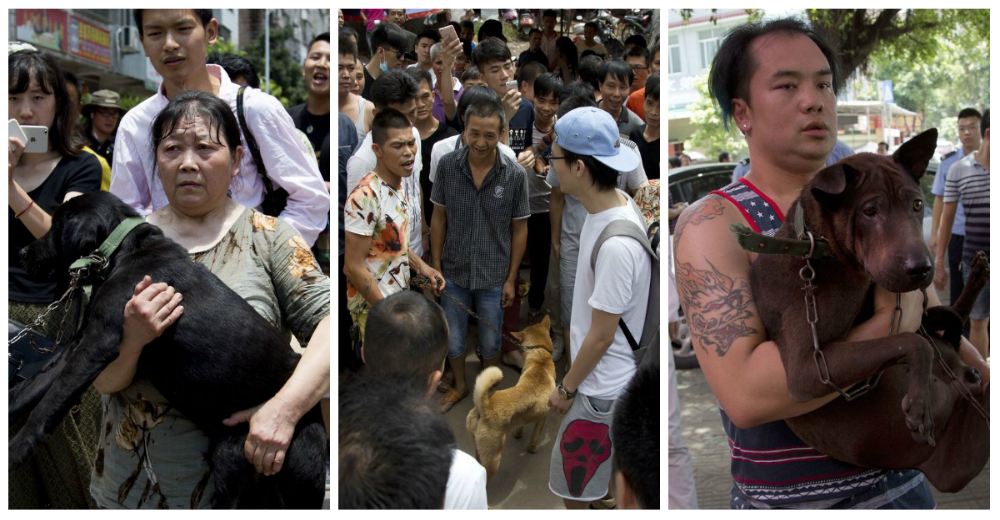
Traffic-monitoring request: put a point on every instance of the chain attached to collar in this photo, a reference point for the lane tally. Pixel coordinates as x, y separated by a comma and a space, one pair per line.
422, 281
808, 275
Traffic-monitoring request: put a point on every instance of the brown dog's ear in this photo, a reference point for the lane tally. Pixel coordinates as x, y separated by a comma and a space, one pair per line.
518, 335
915, 154
833, 180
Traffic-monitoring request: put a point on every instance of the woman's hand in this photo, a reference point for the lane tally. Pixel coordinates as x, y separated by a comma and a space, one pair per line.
14, 150
272, 425
152, 308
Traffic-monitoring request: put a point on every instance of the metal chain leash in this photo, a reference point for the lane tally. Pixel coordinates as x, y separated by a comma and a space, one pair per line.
40, 320
955, 381
808, 275
422, 281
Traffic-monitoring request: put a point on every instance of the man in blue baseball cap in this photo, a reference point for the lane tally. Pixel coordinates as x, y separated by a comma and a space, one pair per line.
587, 155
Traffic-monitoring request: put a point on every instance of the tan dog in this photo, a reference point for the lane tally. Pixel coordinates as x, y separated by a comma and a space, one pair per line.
497, 413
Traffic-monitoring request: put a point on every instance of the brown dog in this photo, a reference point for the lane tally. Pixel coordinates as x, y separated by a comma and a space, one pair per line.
869, 209
496, 413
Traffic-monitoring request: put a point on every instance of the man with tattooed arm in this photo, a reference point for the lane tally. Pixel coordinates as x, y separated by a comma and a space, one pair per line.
776, 81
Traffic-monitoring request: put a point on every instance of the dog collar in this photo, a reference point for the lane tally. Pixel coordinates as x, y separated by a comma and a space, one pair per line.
98, 260
805, 246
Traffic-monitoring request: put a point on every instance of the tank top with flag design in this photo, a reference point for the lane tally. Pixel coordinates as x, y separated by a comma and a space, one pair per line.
771, 466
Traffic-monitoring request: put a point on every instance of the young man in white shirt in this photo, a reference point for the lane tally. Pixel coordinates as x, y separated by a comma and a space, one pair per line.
587, 157
176, 42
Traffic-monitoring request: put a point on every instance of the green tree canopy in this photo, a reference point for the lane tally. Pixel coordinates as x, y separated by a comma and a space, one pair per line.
711, 137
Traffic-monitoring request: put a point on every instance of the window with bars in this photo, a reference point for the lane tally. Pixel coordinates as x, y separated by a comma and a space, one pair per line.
674, 56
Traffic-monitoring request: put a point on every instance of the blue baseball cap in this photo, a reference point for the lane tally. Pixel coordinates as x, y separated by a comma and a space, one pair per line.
592, 131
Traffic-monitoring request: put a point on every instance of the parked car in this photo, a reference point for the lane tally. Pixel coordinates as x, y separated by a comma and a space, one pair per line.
691, 183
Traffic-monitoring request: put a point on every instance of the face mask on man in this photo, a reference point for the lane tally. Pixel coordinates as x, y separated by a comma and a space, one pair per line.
384, 67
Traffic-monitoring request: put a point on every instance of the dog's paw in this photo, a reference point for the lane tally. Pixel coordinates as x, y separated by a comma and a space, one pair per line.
532, 449
980, 268
517, 433
919, 419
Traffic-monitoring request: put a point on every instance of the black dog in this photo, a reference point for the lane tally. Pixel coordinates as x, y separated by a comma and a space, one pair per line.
869, 209
220, 357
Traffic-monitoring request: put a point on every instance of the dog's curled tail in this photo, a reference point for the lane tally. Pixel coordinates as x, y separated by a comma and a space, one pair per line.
485, 382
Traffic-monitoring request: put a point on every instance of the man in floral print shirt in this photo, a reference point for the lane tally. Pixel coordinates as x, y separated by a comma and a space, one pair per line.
377, 220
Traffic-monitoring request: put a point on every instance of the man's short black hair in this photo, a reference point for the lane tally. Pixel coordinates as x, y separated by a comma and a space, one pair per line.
385, 120
477, 94
734, 63
395, 451
204, 15
419, 75
577, 89
586, 53
653, 87
641, 52
467, 24
470, 73
617, 69
984, 124
407, 334
490, 29
528, 72
594, 26
549, 12
590, 70
548, 84
430, 34
969, 112
723, 156
346, 47
393, 87
674, 162
389, 35
601, 175
883, 143
533, 31
321, 37
636, 39
635, 435
236, 67
489, 51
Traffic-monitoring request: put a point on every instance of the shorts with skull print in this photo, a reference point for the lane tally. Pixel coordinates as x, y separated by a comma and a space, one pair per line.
580, 468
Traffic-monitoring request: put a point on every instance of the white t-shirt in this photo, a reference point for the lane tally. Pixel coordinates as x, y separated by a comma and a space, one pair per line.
623, 269
451, 144
466, 483
363, 162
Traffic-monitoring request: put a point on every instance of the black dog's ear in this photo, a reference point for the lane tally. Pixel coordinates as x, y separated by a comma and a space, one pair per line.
914, 155
833, 180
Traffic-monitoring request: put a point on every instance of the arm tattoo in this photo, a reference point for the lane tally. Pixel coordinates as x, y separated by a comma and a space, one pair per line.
717, 306
703, 210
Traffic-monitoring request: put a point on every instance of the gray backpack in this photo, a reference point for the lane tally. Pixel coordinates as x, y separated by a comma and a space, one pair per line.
647, 349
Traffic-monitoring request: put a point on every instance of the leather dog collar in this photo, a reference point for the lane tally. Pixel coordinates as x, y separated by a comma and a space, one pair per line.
98, 260
801, 247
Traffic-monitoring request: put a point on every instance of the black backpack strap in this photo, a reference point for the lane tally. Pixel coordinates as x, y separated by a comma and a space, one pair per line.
621, 227
251, 142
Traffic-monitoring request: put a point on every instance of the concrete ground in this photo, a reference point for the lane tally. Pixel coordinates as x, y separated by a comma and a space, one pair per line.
522, 482
701, 428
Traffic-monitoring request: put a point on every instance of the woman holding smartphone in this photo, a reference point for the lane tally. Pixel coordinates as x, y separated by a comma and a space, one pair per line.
57, 475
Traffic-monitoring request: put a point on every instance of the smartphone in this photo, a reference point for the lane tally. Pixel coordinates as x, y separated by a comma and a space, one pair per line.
511, 85
448, 33
36, 138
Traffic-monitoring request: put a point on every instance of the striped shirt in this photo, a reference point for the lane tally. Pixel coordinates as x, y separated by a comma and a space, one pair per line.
969, 182
477, 242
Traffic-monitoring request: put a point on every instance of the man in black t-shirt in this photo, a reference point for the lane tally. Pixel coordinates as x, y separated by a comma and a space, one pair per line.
313, 118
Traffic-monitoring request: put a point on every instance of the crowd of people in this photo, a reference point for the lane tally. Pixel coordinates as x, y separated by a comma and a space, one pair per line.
226, 172
771, 467
466, 166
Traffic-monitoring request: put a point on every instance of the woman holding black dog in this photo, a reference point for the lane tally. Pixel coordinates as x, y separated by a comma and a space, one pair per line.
58, 474
149, 454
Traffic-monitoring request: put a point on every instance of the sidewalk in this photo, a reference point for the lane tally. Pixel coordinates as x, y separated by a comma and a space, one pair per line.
701, 428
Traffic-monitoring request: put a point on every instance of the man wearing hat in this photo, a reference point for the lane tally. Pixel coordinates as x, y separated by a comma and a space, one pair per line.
587, 155
102, 114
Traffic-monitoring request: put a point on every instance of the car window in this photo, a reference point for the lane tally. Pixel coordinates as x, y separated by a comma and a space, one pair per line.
702, 185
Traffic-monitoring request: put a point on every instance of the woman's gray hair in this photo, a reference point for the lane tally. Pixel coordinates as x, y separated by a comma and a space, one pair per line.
487, 107
435, 50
